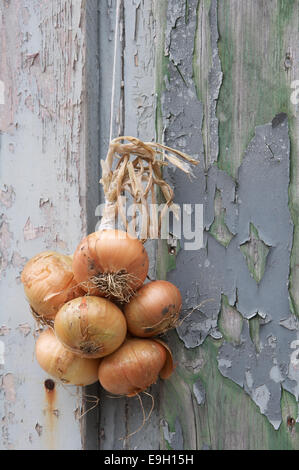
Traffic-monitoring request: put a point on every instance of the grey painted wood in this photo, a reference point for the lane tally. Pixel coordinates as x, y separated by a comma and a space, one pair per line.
235, 385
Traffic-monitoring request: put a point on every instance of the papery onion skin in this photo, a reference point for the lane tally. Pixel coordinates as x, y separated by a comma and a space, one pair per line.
90, 326
110, 251
154, 309
49, 282
62, 364
133, 367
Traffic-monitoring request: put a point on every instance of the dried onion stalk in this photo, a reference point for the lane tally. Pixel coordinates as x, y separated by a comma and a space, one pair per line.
139, 178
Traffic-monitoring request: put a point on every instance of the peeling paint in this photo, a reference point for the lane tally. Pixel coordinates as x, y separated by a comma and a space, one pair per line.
219, 229
6, 237
30, 232
208, 74
8, 386
4, 330
39, 429
230, 321
7, 196
2, 353
199, 392
252, 277
261, 396
255, 252
43, 194
18, 261
24, 329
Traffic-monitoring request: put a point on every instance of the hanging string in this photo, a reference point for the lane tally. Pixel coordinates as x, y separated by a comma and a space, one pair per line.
116, 39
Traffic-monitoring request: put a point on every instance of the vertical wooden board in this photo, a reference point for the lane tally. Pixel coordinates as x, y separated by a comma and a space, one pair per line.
252, 63
43, 201
90, 410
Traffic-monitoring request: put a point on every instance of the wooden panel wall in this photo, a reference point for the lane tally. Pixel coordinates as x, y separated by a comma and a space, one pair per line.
214, 79
44, 200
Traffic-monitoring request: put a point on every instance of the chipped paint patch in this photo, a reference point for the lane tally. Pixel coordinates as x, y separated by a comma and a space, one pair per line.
24, 329
4, 330
30, 232
224, 363
8, 386
7, 196
6, 237
2, 353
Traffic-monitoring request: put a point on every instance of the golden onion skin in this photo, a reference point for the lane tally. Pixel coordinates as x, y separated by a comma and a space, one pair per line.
62, 364
154, 309
110, 251
90, 326
133, 367
49, 282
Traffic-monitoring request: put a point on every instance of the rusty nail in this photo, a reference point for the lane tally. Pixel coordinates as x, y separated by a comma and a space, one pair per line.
49, 384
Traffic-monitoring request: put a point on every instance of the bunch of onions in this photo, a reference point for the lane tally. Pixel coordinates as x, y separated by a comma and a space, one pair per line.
49, 282
62, 364
154, 309
90, 326
80, 295
110, 263
135, 366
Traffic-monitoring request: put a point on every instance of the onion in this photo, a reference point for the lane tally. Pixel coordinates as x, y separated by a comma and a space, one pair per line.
49, 282
154, 309
110, 263
90, 326
135, 366
62, 364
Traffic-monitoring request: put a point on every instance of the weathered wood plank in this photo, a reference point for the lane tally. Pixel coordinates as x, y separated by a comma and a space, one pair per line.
44, 172
200, 407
